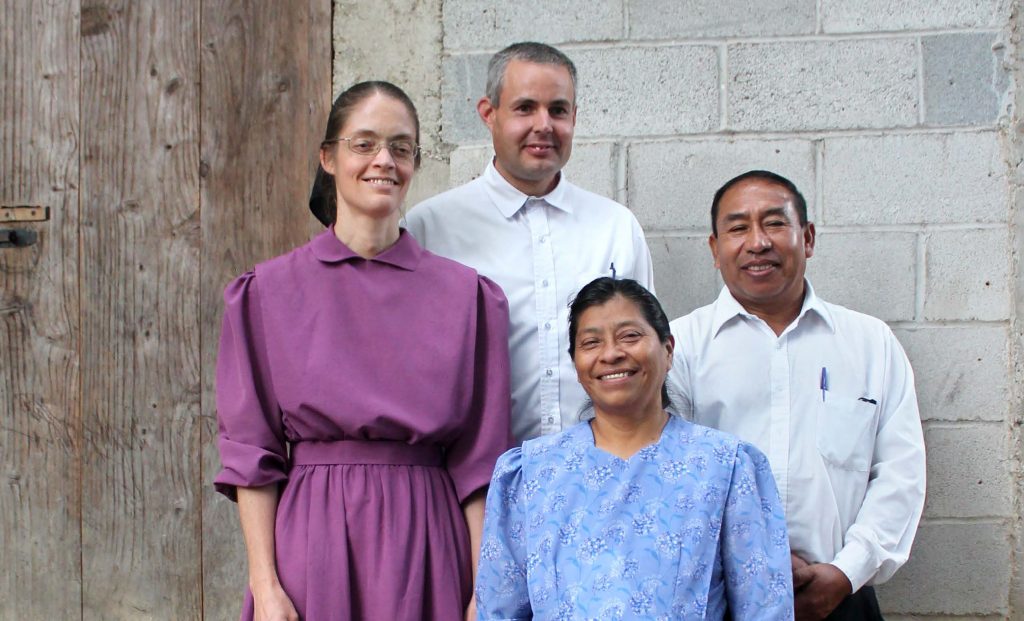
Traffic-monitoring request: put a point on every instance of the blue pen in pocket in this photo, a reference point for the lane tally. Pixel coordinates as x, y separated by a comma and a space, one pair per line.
824, 383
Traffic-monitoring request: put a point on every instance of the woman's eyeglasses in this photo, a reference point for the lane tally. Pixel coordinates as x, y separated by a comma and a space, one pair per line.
404, 150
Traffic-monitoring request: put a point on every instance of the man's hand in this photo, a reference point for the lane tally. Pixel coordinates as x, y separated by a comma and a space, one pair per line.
818, 588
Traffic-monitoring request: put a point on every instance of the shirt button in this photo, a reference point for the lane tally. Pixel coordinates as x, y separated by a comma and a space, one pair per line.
548, 372
551, 420
543, 238
547, 325
544, 282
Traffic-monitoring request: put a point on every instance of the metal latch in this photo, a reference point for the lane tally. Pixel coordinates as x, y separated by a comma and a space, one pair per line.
17, 238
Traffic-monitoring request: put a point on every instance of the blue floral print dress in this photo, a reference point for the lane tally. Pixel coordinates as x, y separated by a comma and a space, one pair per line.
687, 528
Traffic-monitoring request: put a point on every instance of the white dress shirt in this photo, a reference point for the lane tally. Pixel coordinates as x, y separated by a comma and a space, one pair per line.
541, 251
848, 458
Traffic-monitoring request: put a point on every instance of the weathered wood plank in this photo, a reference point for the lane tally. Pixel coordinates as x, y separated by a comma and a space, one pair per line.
40, 502
266, 94
140, 294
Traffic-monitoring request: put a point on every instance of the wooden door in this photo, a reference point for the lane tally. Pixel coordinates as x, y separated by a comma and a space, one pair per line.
174, 144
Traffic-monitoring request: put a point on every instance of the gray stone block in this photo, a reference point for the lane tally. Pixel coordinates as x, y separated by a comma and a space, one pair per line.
910, 179
671, 184
592, 166
893, 15
464, 78
809, 85
968, 472
484, 24
963, 84
656, 19
967, 275
647, 90
961, 372
954, 569
870, 272
684, 273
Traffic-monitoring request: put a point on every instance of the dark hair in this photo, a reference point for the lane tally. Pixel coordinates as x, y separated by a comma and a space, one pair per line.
602, 290
323, 197
527, 51
798, 199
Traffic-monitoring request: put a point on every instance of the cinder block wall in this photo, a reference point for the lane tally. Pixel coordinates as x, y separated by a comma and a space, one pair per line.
898, 121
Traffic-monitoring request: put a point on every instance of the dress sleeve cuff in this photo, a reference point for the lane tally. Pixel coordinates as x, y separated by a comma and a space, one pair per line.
857, 563
245, 465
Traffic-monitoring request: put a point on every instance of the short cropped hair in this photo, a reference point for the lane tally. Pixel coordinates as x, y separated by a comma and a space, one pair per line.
527, 51
798, 199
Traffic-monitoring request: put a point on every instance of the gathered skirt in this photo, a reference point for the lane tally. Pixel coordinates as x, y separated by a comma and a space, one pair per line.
371, 530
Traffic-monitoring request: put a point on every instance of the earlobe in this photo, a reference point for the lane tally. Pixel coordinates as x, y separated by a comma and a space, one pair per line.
809, 235
485, 110
713, 245
326, 162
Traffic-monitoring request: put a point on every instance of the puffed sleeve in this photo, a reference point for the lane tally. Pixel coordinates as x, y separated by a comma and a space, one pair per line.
251, 439
486, 433
754, 544
501, 588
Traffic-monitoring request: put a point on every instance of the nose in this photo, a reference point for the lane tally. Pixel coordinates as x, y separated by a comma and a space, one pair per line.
541, 121
383, 158
611, 352
759, 241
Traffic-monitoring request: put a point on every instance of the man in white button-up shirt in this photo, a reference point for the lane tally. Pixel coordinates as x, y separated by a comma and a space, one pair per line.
826, 392
541, 238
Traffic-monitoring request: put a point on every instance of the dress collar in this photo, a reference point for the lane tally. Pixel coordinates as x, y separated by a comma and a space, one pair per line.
727, 308
404, 254
509, 200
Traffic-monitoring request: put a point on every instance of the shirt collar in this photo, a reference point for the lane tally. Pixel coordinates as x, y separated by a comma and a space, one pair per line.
404, 254
509, 200
727, 308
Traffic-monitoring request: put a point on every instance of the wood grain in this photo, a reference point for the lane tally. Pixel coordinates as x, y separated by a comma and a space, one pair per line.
40, 502
265, 98
140, 310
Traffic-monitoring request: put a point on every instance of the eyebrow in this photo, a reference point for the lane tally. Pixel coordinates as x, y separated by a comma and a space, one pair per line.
745, 215
370, 132
622, 324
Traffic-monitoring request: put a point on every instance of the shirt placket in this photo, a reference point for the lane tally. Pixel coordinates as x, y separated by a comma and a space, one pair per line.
547, 314
778, 451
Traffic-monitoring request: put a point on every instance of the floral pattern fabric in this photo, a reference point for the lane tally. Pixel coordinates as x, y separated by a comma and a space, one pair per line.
687, 528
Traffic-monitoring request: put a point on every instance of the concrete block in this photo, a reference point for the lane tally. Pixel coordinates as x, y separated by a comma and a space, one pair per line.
893, 15
870, 272
968, 472
656, 19
648, 90
954, 569
684, 273
912, 179
809, 85
963, 82
592, 166
483, 24
967, 275
464, 78
408, 34
671, 184
962, 373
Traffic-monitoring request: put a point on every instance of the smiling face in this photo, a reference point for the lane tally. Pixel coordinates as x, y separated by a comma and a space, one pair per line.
371, 186
532, 125
761, 249
620, 360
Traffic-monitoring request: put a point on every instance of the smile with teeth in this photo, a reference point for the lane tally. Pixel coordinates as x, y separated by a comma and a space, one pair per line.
381, 181
763, 267
618, 375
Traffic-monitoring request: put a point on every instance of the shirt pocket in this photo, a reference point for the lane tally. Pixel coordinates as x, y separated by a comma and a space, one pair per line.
846, 432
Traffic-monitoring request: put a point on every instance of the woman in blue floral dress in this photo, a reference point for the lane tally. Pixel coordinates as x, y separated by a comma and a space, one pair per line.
635, 514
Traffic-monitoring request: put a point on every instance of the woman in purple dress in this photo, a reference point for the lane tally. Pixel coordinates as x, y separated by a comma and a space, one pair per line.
362, 396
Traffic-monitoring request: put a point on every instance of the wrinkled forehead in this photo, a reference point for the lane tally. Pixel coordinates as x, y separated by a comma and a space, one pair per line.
752, 196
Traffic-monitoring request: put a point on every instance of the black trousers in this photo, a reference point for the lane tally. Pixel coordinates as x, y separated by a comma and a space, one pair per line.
861, 606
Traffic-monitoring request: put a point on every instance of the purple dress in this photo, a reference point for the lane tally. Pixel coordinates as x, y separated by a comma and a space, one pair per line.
388, 379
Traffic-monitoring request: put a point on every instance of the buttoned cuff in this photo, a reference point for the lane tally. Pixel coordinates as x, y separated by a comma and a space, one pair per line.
857, 562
